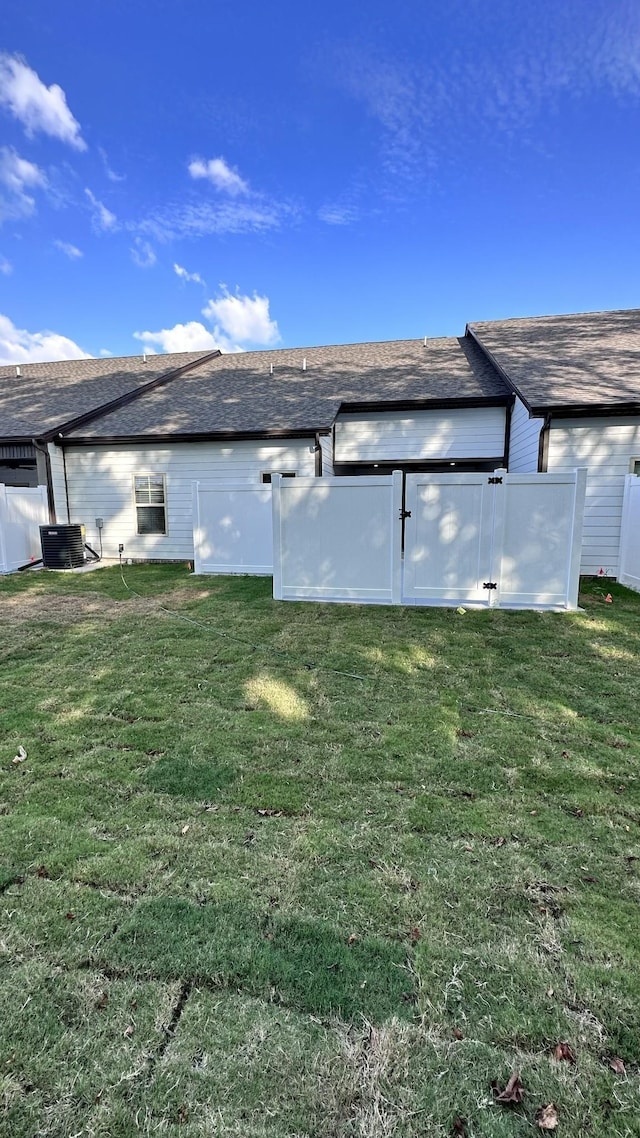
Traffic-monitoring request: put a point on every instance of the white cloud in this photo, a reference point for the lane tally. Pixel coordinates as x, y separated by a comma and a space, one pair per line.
337, 214
6, 268
221, 175
191, 337
111, 174
241, 320
198, 220
238, 321
17, 346
19, 177
37, 107
17, 172
105, 352
103, 218
70, 251
143, 254
186, 276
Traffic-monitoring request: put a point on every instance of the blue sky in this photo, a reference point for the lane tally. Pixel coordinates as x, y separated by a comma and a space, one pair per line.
180, 174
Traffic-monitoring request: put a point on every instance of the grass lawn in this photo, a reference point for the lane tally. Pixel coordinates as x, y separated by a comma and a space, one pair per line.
245, 893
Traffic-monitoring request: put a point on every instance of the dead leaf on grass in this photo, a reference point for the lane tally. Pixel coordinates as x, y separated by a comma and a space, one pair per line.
457, 1034
269, 812
562, 1051
128, 1031
512, 1093
547, 1117
70, 916
618, 1066
459, 1128
353, 937
20, 757
42, 871
185, 829
102, 1001
414, 935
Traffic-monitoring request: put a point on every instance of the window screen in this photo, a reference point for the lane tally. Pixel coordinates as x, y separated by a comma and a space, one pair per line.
149, 491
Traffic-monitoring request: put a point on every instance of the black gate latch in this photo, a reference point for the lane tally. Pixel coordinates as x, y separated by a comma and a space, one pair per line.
404, 514
495, 481
490, 585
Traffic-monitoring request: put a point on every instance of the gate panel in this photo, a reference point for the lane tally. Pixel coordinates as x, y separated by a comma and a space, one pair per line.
447, 557
538, 539
337, 539
22, 511
232, 530
630, 534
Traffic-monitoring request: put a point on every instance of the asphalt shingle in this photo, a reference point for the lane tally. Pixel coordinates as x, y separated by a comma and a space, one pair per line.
46, 395
240, 393
584, 360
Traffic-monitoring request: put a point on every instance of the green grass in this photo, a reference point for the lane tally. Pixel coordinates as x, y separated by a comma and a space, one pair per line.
246, 894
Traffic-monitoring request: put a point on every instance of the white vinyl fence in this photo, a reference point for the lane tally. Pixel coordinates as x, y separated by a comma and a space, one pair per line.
337, 539
232, 528
506, 540
630, 534
22, 511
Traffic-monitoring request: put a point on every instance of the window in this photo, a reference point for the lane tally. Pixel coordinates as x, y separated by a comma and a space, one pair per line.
150, 498
634, 466
266, 474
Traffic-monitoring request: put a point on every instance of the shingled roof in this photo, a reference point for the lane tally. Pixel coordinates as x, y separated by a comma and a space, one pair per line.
45, 396
583, 362
268, 392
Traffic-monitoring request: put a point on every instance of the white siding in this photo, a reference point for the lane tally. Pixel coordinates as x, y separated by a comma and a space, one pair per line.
326, 446
524, 435
465, 432
605, 446
100, 482
56, 458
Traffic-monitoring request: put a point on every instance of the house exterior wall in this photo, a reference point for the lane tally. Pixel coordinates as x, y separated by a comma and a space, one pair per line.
100, 484
56, 460
524, 435
326, 446
465, 432
605, 446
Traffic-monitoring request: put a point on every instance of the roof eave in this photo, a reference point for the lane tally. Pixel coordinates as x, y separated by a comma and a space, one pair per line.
194, 436
585, 410
358, 406
128, 397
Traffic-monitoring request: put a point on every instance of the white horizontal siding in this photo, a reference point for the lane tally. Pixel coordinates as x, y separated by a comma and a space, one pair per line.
605, 446
524, 434
465, 432
56, 459
100, 483
326, 446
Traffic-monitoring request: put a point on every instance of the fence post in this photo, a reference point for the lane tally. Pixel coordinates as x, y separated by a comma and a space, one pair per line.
276, 515
197, 537
3, 518
573, 576
396, 537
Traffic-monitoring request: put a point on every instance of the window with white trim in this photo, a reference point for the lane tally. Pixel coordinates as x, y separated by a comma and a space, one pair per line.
634, 466
149, 492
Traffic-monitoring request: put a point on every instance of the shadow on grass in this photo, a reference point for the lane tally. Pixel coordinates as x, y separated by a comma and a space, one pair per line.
302, 963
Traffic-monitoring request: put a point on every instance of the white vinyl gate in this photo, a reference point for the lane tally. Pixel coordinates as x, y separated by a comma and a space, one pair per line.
338, 539
630, 534
23, 509
232, 528
507, 540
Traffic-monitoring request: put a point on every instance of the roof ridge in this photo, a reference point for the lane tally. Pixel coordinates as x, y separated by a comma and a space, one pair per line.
128, 397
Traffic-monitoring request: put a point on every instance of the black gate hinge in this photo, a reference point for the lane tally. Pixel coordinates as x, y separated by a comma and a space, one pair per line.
490, 585
497, 481
404, 514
